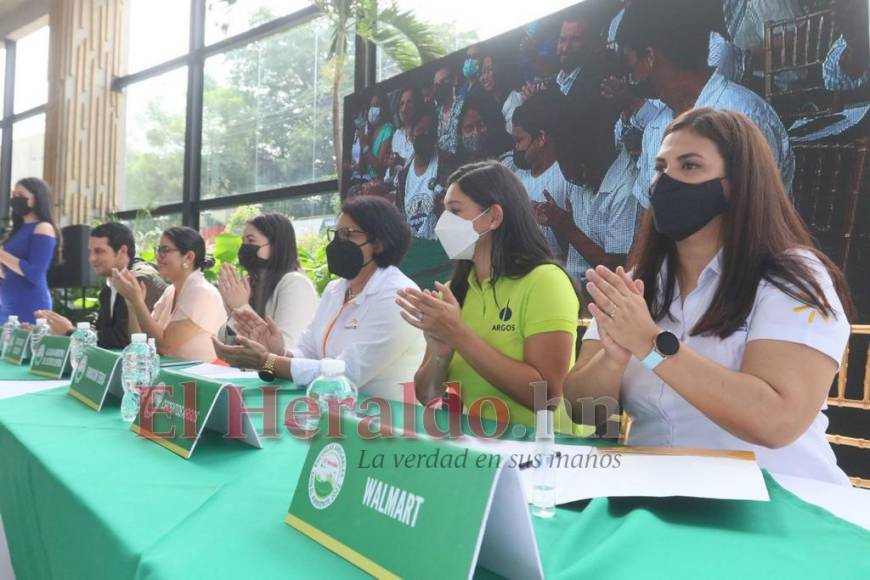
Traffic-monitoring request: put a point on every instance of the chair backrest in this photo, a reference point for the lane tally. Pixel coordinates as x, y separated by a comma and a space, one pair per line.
797, 47
849, 404
826, 190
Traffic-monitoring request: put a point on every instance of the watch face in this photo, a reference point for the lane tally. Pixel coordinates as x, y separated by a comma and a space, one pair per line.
667, 343
267, 376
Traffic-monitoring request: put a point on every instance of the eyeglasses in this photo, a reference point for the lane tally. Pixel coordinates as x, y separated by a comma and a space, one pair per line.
162, 251
343, 234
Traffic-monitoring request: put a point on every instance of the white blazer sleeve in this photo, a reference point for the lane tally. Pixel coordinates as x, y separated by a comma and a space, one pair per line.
293, 305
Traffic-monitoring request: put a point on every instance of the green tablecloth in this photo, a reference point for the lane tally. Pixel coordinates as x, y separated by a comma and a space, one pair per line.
82, 497
11, 372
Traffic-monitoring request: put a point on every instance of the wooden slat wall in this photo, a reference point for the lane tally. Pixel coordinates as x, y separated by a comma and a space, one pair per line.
85, 117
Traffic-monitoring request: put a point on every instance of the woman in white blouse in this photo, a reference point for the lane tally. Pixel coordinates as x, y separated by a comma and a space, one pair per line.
275, 286
733, 326
189, 313
358, 319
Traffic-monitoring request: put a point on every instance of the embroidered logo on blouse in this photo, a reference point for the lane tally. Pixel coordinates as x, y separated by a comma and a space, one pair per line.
812, 313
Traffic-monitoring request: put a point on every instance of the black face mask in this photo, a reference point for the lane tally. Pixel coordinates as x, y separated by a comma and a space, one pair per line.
520, 159
344, 258
19, 206
424, 145
249, 260
681, 209
643, 89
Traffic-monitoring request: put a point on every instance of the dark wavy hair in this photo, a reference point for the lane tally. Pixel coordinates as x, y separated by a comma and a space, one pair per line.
42, 203
761, 229
188, 240
278, 229
382, 222
518, 246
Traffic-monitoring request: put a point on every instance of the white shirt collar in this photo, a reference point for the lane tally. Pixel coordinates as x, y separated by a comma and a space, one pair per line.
566, 81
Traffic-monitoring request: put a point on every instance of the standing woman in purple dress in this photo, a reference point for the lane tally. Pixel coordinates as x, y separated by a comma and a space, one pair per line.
28, 252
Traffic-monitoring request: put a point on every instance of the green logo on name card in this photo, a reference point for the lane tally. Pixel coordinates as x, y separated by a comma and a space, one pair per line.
39, 355
327, 476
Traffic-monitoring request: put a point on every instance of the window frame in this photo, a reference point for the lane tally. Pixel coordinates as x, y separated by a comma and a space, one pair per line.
192, 203
8, 118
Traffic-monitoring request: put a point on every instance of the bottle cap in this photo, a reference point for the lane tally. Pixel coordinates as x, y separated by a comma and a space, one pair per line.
138, 337
13, 318
41, 321
544, 423
329, 366
83, 326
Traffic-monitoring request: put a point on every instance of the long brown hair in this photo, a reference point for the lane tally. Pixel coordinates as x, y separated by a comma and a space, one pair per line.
518, 246
761, 230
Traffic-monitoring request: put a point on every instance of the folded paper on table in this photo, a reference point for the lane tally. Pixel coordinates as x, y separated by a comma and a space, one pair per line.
213, 371
585, 472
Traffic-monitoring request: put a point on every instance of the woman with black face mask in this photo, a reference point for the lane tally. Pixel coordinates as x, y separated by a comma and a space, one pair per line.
28, 252
730, 329
275, 287
357, 321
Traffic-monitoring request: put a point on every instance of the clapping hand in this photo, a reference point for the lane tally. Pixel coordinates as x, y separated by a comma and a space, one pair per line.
440, 318
246, 355
125, 282
554, 215
621, 312
234, 288
249, 325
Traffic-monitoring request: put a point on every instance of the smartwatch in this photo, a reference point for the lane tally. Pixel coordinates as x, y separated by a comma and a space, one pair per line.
666, 344
267, 373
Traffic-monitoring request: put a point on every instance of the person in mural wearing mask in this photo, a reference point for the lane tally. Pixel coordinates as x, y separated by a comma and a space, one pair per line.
535, 126
732, 324
376, 137
666, 53
28, 252
508, 317
420, 195
471, 69
275, 286
449, 105
357, 320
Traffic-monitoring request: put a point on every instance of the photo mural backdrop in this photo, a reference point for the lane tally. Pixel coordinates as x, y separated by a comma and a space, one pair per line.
565, 89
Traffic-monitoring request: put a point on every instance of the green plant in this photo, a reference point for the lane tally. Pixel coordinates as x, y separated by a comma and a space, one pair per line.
409, 41
75, 306
312, 258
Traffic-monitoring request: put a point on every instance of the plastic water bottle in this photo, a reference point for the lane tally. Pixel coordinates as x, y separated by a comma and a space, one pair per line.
137, 370
544, 489
80, 340
38, 333
331, 389
6, 338
152, 344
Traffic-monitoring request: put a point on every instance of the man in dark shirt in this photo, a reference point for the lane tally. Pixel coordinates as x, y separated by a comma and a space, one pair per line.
112, 246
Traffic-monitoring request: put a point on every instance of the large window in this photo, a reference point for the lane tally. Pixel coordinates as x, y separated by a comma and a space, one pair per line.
157, 31
31, 70
154, 140
28, 146
23, 95
267, 114
461, 23
226, 18
232, 109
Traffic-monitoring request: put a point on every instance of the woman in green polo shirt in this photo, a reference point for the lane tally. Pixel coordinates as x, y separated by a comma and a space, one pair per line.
508, 318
